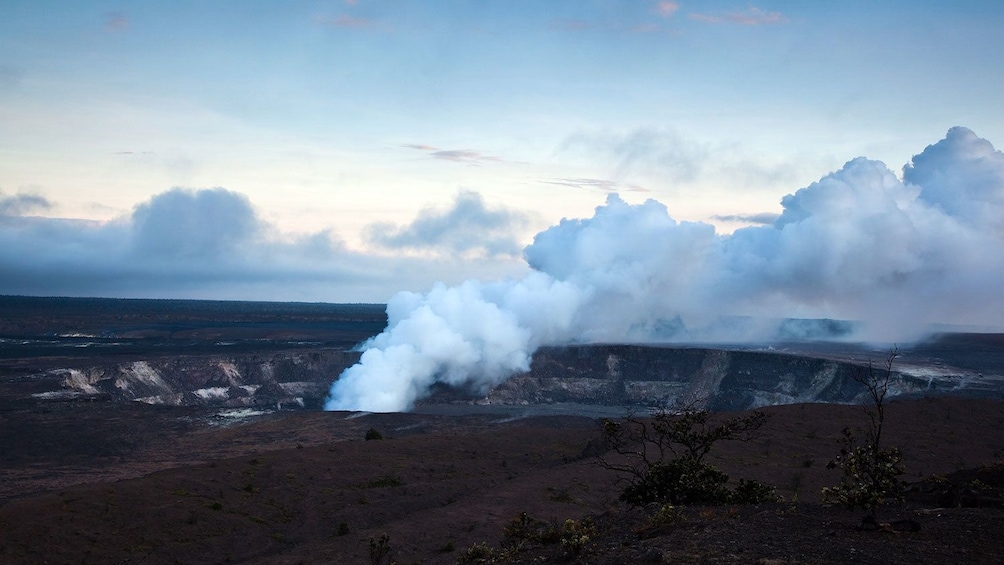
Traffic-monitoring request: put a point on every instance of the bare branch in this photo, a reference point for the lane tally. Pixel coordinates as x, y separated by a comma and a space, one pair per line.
651, 451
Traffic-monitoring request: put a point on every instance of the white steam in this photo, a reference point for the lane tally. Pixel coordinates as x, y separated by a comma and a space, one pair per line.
895, 256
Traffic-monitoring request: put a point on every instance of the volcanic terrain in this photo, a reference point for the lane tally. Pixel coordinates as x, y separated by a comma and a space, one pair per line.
112, 474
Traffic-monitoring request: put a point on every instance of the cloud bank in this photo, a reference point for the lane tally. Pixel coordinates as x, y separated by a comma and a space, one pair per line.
468, 228
213, 243
893, 256
20, 204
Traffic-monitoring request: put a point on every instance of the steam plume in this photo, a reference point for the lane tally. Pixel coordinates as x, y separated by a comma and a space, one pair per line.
860, 244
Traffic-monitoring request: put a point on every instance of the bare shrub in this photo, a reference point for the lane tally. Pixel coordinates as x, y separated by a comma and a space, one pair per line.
662, 457
870, 472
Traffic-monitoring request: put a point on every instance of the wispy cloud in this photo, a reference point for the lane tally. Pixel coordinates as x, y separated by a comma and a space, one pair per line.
676, 157
466, 156
345, 21
752, 16
467, 228
116, 21
463, 156
664, 10
604, 185
646, 28
578, 26
667, 8
655, 21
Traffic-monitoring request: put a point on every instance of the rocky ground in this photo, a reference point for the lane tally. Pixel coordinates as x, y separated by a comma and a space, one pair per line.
96, 477
94, 483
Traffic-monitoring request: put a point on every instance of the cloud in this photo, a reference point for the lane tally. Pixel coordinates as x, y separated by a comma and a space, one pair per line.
667, 8
345, 21
207, 224
646, 28
961, 175
675, 157
209, 243
116, 22
892, 257
764, 218
350, 21
21, 204
752, 16
468, 228
662, 11
465, 156
596, 184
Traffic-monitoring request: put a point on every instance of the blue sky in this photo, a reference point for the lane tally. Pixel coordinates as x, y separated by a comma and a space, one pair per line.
408, 141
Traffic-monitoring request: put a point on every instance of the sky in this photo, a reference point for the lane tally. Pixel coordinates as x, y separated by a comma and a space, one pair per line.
343, 151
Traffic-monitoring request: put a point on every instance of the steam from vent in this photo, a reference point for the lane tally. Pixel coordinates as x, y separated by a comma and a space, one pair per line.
895, 256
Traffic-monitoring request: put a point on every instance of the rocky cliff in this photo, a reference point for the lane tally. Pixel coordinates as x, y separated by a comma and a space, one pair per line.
295, 379
643, 376
610, 375
723, 379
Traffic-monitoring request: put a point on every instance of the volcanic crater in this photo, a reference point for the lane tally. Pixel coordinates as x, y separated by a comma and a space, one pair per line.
191, 433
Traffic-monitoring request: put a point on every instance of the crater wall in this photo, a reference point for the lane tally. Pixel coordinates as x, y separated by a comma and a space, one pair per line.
602, 375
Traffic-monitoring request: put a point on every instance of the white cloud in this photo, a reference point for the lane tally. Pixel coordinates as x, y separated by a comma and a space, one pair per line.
962, 175
858, 245
666, 8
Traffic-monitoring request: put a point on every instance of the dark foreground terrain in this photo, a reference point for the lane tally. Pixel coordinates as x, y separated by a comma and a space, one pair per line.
143, 484
181, 432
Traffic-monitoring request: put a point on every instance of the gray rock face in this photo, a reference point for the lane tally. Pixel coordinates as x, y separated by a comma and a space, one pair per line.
721, 379
600, 375
297, 379
645, 376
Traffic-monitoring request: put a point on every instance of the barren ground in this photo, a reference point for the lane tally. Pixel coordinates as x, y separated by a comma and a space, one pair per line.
114, 482
103, 483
